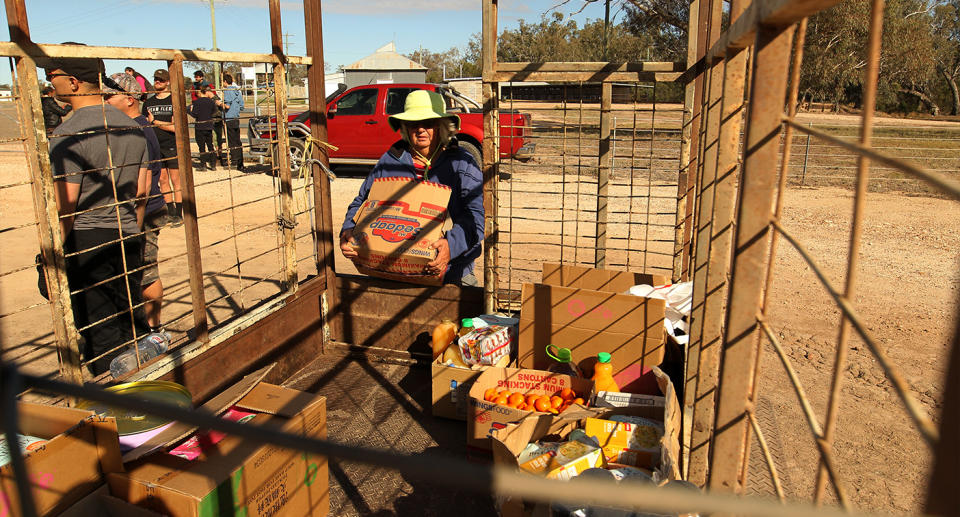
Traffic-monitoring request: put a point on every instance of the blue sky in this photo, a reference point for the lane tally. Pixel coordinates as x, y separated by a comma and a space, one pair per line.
352, 29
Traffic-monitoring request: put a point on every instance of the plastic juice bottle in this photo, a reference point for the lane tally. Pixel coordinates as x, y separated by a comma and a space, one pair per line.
466, 326
603, 374
563, 361
443, 335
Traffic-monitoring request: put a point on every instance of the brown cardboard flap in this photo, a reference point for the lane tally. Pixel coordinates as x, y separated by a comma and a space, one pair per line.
597, 279
277, 400
45, 421
217, 405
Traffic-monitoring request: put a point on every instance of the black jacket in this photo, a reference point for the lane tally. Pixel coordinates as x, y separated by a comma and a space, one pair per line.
52, 112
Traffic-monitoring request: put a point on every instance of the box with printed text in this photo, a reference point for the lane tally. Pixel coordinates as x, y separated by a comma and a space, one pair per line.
396, 225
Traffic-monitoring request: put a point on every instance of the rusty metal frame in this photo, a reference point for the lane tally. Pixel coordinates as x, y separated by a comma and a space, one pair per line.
24, 52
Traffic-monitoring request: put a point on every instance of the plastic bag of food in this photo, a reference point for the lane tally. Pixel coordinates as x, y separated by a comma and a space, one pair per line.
486, 345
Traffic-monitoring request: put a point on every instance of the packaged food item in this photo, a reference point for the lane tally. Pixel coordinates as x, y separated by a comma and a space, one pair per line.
451, 356
443, 335
629, 440
200, 441
27, 444
485, 345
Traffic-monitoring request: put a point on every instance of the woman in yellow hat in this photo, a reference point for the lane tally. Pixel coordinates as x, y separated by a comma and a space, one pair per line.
428, 151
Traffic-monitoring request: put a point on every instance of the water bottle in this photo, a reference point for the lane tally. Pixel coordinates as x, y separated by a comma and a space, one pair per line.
150, 346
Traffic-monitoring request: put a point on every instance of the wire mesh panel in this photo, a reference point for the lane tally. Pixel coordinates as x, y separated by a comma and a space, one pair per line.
229, 234
600, 189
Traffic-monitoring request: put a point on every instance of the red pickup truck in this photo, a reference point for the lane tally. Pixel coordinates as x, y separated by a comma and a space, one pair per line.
357, 125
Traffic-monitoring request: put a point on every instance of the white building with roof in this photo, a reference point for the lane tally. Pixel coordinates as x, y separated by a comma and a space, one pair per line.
384, 66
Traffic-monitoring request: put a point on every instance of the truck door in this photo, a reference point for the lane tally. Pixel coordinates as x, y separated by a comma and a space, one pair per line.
353, 123
393, 104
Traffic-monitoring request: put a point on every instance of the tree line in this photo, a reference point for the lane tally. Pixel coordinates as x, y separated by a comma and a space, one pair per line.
919, 63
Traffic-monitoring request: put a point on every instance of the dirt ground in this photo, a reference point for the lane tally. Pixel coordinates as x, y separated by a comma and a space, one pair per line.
907, 294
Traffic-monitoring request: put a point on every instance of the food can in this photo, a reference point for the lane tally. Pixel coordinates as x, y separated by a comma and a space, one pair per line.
135, 426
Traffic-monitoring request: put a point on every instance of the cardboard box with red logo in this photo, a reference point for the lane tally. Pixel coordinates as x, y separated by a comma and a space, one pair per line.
485, 417
396, 225
583, 309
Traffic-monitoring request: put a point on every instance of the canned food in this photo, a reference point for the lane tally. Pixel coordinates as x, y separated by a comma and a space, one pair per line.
130, 421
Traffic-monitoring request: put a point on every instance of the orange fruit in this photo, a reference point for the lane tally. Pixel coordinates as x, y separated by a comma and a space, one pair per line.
580, 401
501, 400
532, 399
490, 394
516, 398
564, 406
568, 394
512, 403
522, 406
542, 404
556, 401
554, 410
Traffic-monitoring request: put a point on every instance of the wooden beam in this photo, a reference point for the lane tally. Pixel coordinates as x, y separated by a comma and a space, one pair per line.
288, 220
588, 76
8, 48
593, 67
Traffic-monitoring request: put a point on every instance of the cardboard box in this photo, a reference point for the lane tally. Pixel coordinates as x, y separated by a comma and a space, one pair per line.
509, 440
486, 417
396, 225
237, 476
81, 449
581, 309
102, 504
451, 389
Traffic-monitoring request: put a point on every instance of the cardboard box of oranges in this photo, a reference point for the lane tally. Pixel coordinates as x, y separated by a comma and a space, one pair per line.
503, 395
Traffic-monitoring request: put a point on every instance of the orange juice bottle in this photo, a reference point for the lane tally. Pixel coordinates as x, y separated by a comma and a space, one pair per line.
443, 335
603, 374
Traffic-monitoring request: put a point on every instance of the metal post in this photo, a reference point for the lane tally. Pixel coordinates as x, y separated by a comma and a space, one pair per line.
321, 183
754, 213
944, 484
806, 158
704, 385
36, 149
491, 156
603, 174
288, 219
213, 31
194, 261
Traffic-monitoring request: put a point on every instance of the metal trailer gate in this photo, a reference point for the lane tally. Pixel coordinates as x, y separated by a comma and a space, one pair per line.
623, 199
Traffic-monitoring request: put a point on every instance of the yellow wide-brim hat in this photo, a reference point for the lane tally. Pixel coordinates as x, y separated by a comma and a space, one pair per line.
422, 105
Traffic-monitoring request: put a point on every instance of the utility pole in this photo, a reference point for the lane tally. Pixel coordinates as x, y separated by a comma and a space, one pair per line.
213, 28
286, 45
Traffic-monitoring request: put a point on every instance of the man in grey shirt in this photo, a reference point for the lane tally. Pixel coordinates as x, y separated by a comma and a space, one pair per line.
99, 158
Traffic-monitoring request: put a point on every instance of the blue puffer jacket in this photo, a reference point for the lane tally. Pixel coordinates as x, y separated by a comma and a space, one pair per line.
455, 168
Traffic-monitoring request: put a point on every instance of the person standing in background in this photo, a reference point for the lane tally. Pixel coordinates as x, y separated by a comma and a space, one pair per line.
232, 104
202, 111
100, 186
198, 83
53, 112
159, 111
145, 85
155, 214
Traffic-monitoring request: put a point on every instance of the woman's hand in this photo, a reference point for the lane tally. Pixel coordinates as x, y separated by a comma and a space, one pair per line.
348, 245
438, 266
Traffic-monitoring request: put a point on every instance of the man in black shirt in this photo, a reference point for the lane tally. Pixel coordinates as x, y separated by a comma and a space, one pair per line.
202, 110
159, 111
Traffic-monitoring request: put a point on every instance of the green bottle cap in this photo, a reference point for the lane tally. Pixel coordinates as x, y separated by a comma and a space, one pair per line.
563, 355
467, 322
603, 357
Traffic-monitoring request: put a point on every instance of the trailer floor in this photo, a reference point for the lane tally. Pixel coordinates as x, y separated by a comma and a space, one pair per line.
385, 405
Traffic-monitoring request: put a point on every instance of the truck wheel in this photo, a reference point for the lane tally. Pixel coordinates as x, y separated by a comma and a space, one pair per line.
296, 155
473, 150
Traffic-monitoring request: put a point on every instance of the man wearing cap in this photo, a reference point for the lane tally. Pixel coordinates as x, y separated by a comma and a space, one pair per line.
98, 158
159, 111
155, 212
428, 151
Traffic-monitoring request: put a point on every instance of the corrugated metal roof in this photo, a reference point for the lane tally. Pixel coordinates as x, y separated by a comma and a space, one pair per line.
385, 58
